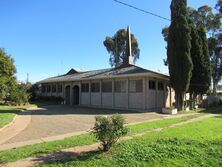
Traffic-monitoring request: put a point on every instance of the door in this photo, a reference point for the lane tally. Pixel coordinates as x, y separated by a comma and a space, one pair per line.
76, 95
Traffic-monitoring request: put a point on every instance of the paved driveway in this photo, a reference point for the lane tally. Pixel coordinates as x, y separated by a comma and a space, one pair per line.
61, 119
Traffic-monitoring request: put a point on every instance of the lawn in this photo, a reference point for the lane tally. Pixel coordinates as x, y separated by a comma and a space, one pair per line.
7, 113
49, 147
194, 144
146, 126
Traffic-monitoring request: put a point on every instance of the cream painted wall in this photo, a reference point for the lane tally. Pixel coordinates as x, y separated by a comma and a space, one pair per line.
85, 98
146, 100
151, 98
107, 99
160, 99
136, 100
121, 100
96, 99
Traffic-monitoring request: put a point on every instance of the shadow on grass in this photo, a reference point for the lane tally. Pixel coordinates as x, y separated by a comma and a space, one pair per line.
12, 111
65, 157
43, 103
212, 110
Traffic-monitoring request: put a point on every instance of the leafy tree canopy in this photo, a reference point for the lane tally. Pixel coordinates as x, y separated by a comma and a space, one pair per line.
117, 48
7, 74
219, 6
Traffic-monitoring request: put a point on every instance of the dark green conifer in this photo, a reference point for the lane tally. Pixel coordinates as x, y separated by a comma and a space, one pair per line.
178, 51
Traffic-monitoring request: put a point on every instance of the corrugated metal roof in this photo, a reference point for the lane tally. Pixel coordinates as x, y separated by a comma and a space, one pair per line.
130, 70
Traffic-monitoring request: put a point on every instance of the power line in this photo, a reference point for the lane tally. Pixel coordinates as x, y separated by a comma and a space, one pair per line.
141, 10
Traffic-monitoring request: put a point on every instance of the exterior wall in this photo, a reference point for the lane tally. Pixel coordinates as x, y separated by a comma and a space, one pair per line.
107, 99
160, 99
96, 99
170, 97
53, 94
85, 98
148, 99
136, 100
121, 100
151, 99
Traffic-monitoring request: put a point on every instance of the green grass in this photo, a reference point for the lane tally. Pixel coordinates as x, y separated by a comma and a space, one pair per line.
7, 113
44, 148
49, 147
195, 144
142, 127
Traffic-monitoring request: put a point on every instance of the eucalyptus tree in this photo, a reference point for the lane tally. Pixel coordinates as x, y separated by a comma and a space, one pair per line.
117, 48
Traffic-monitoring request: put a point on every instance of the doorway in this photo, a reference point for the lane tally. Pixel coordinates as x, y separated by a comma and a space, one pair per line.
75, 91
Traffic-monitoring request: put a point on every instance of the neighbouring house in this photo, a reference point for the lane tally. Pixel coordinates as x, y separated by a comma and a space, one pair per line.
124, 87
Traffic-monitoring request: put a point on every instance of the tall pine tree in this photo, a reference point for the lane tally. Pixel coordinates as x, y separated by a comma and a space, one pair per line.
201, 73
178, 51
207, 70
197, 59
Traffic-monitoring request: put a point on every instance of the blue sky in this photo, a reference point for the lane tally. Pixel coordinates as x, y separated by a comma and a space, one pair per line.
48, 37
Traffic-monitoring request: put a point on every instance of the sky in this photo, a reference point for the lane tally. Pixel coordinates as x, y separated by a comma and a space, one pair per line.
49, 37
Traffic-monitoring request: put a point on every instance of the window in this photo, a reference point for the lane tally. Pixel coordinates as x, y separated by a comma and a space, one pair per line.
48, 88
43, 88
160, 86
95, 87
152, 84
107, 86
53, 88
59, 88
120, 86
136, 85
85, 87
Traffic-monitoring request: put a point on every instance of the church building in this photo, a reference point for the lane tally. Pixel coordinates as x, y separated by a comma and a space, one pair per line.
124, 87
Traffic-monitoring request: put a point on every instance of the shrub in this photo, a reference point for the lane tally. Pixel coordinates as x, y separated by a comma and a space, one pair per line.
49, 99
18, 97
109, 129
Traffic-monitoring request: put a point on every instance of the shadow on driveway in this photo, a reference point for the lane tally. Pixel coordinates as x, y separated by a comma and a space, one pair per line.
75, 110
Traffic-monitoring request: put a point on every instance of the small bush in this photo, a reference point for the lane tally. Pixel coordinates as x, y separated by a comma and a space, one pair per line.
109, 129
18, 96
49, 99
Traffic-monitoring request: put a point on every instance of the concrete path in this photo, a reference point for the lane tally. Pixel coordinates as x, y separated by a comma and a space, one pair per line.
34, 161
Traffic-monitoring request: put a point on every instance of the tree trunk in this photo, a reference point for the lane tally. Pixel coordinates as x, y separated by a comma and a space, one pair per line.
180, 101
214, 87
106, 146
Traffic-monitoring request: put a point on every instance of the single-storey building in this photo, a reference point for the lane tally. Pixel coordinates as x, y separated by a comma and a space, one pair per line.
124, 87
